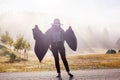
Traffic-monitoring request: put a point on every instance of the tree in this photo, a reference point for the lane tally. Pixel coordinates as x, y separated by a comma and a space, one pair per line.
22, 44
26, 47
18, 45
7, 39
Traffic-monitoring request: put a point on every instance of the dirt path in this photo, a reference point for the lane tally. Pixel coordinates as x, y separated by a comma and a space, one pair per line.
101, 74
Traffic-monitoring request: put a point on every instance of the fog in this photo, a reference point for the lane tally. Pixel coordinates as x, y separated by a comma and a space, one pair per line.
96, 23
92, 37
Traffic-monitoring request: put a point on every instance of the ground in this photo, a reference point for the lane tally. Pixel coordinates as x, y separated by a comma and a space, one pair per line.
92, 74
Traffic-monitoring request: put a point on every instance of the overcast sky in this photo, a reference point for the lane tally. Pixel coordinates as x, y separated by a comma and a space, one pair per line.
85, 12
95, 13
24, 14
93, 9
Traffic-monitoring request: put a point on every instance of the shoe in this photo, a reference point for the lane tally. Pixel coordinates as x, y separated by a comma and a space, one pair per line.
58, 76
70, 75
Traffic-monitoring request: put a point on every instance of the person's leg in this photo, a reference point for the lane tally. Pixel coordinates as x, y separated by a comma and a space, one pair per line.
61, 49
56, 58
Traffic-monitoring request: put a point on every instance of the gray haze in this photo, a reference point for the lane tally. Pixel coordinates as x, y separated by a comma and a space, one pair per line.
95, 38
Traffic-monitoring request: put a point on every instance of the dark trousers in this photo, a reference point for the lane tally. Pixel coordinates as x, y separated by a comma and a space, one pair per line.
59, 48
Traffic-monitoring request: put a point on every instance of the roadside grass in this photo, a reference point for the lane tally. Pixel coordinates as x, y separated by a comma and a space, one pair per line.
76, 62
95, 61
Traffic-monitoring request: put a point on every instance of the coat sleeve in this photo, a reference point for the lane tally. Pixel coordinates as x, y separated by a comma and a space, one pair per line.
48, 36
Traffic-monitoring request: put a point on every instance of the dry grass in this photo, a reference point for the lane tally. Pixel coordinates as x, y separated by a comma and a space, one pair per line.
96, 61
76, 62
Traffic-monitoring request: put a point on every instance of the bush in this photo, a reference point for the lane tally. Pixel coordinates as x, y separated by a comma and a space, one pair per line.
111, 51
12, 57
118, 51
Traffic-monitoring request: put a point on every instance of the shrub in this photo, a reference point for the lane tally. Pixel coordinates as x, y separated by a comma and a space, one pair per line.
12, 57
111, 51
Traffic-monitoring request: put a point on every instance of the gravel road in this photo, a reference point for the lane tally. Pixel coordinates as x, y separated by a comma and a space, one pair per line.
98, 74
